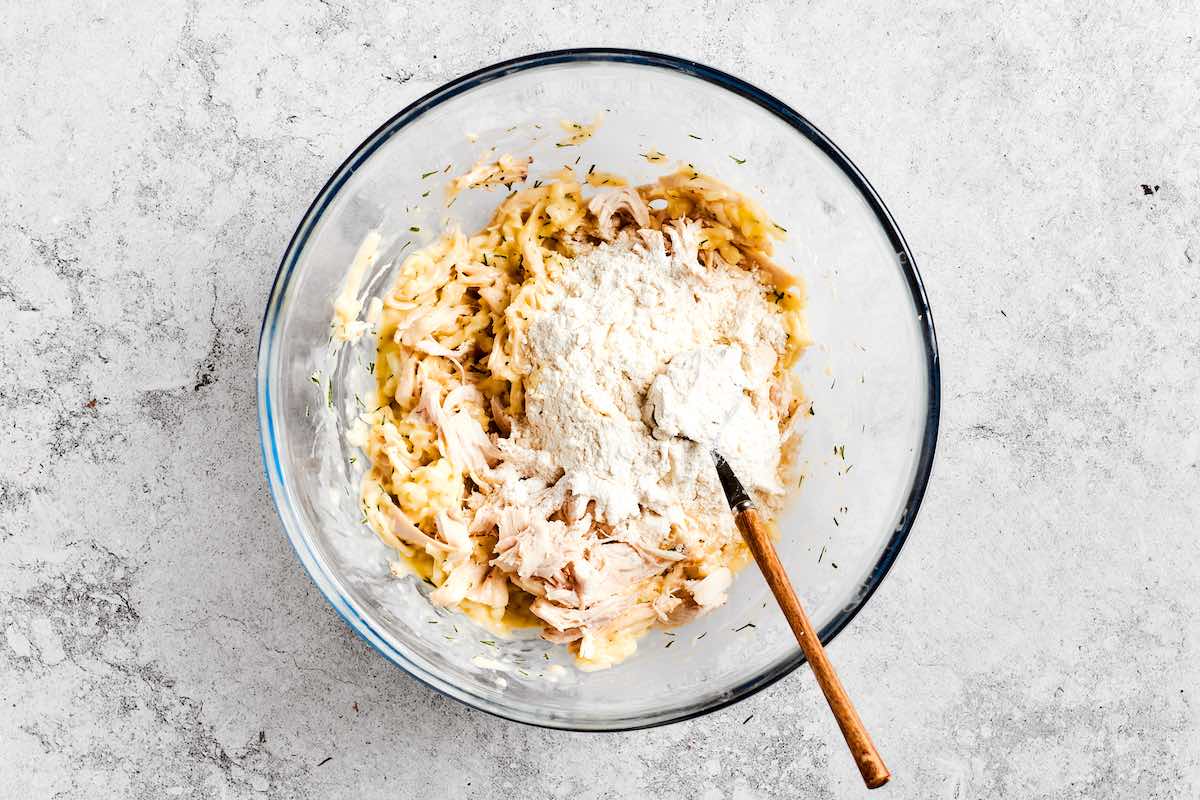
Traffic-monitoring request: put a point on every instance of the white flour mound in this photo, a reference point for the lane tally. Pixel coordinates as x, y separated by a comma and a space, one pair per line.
630, 314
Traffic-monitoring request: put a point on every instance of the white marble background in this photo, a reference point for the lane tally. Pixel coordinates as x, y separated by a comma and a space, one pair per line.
1038, 637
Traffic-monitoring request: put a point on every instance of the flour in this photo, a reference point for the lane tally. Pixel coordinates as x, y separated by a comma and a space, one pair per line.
698, 394
701, 395
629, 317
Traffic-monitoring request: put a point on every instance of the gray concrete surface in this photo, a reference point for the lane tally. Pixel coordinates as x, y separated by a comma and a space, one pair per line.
1038, 637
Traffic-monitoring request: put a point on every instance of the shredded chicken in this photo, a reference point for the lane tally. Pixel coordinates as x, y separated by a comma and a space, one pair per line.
606, 205
462, 439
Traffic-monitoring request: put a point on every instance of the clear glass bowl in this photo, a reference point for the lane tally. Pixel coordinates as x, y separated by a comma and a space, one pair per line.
873, 374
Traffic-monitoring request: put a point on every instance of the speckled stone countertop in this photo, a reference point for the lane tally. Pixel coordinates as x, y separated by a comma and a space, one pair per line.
1038, 636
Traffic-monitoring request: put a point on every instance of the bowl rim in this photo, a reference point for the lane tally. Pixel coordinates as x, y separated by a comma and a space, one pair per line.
328, 584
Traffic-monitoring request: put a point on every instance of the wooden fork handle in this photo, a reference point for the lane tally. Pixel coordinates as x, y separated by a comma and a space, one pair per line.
874, 772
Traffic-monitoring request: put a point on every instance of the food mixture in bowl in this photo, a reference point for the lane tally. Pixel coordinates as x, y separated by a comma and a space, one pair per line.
536, 382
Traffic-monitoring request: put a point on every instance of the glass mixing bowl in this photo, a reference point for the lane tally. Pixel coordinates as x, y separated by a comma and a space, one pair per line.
872, 374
